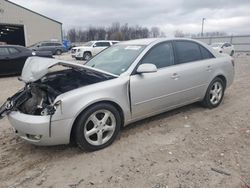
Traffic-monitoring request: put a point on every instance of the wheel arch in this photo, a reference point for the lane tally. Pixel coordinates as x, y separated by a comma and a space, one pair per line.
223, 78
87, 52
117, 106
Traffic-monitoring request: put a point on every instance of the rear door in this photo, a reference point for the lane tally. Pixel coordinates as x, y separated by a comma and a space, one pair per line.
47, 46
194, 68
154, 92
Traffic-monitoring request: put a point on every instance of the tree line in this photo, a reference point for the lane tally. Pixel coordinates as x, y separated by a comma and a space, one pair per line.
180, 33
114, 32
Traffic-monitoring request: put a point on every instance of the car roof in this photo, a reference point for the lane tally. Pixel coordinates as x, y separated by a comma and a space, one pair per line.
146, 41
219, 42
10, 45
50, 42
104, 41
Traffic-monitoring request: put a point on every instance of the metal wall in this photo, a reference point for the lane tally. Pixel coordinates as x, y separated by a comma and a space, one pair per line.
241, 42
36, 27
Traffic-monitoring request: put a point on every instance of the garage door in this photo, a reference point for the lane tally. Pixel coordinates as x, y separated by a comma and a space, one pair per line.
12, 34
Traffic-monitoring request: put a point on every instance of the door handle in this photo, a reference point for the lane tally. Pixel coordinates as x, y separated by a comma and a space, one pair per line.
209, 68
175, 76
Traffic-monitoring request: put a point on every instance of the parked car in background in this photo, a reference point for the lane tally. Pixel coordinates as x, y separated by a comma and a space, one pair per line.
127, 82
56, 48
224, 48
90, 49
13, 57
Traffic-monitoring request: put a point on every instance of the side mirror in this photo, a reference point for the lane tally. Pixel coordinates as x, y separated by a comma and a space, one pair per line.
94, 45
38, 46
146, 68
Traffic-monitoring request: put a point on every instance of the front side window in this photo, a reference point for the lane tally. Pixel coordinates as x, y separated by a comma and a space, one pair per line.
187, 51
116, 59
161, 55
44, 44
88, 44
102, 44
4, 52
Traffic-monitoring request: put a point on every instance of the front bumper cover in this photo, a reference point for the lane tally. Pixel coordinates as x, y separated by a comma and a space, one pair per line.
27, 125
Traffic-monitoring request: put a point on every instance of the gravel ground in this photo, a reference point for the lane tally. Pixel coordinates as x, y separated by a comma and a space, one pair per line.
175, 149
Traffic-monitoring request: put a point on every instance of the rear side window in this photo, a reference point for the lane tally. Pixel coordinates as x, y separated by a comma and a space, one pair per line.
58, 44
4, 52
51, 44
205, 53
187, 51
161, 55
13, 51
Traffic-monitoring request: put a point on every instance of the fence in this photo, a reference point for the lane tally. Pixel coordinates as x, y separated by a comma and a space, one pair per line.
241, 42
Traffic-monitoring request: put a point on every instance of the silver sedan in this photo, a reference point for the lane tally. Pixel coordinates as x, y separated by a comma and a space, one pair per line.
88, 104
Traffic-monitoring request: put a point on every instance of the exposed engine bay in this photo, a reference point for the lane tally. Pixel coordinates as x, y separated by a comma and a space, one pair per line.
37, 98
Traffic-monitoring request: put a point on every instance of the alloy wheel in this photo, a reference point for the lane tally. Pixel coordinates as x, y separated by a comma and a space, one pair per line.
216, 93
99, 127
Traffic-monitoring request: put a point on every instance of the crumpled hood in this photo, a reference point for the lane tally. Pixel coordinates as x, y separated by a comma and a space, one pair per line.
37, 67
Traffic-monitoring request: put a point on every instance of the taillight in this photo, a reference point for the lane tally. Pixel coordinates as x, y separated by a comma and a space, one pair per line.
232, 61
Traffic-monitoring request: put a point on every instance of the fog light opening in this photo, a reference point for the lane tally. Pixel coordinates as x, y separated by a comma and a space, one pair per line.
34, 137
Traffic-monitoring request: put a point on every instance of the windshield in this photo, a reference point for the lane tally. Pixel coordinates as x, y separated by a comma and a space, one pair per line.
116, 59
88, 44
216, 44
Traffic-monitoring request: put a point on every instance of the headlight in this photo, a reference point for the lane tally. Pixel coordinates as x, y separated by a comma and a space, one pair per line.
50, 110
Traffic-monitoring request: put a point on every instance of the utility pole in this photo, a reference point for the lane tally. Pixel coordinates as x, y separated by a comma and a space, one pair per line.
202, 26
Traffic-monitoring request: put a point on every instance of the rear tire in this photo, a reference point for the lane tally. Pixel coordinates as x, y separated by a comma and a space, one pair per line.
214, 94
58, 52
87, 56
97, 127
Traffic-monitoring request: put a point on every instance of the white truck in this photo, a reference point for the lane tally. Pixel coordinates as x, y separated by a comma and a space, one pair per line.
90, 49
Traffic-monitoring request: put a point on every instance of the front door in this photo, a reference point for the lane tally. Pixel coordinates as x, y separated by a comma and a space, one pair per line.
153, 92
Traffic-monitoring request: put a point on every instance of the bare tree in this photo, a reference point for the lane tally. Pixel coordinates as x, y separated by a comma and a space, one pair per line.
72, 35
115, 32
155, 32
179, 33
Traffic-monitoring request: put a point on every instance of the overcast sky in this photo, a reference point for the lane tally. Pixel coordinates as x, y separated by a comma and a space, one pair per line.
231, 16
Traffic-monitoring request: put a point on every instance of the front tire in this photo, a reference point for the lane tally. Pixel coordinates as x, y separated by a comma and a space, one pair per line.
97, 127
87, 56
214, 94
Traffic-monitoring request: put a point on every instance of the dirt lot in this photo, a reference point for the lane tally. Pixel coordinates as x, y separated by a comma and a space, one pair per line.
174, 149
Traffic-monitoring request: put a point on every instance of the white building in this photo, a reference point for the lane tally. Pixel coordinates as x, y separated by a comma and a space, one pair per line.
19, 25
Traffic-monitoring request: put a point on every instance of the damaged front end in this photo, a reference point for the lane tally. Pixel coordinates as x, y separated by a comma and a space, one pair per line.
42, 87
33, 99
34, 110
